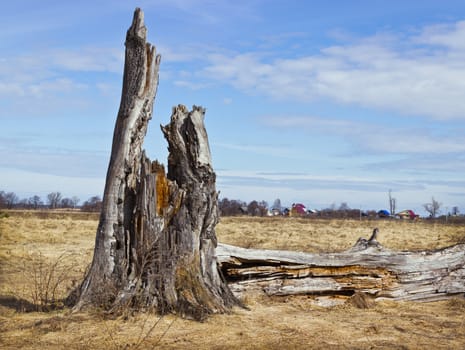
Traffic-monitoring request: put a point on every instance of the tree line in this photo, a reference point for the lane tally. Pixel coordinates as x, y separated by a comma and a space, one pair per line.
53, 200
234, 207
227, 207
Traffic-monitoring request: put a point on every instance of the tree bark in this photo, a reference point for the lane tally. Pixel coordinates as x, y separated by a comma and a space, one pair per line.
155, 242
368, 268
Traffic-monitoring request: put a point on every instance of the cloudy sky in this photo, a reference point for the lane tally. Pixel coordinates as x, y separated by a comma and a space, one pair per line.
316, 101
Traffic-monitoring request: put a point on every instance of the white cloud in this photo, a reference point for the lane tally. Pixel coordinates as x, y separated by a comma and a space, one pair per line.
47, 88
420, 74
11, 89
191, 85
35, 84
376, 137
449, 35
29, 67
267, 150
86, 59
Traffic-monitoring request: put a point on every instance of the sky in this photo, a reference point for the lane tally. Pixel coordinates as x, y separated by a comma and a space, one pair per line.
319, 102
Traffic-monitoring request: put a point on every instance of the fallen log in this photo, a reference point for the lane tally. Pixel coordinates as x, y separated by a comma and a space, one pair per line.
367, 267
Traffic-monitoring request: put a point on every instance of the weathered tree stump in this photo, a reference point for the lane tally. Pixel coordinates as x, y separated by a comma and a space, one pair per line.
155, 243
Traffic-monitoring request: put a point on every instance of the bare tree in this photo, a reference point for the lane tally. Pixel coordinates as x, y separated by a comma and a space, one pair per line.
11, 199
277, 204
54, 199
74, 201
255, 208
92, 204
67, 202
23, 203
263, 206
433, 207
392, 204
35, 201
2, 199
344, 206
230, 207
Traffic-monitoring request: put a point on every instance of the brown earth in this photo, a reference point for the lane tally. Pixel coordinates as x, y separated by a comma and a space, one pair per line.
42, 255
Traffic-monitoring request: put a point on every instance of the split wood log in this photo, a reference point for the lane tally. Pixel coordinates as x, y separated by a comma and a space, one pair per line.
155, 242
367, 267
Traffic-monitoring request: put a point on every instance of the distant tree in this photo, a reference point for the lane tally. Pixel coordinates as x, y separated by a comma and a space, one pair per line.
255, 208
392, 203
92, 204
2, 199
344, 207
263, 206
433, 207
11, 199
277, 204
75, 200
252, 208
35, 202
328, 212
230, 207
66, 203
23, 203
223, 206
54, 199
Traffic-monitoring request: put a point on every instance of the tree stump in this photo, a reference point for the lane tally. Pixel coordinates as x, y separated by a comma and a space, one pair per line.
155, 242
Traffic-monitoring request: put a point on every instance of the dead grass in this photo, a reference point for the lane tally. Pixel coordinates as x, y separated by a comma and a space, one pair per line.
271, 323
320, 235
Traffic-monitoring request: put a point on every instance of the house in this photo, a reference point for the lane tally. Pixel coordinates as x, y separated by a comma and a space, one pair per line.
275, 212
298, 209
407, 215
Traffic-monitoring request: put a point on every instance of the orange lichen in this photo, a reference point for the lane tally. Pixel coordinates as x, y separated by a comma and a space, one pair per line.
162, 188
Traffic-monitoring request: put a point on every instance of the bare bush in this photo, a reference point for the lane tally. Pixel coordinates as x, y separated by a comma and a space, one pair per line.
49, 280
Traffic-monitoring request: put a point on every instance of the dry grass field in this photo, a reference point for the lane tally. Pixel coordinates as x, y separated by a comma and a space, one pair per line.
42, 255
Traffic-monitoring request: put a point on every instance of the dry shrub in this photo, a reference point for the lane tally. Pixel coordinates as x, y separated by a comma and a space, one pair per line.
48, 281
150, 332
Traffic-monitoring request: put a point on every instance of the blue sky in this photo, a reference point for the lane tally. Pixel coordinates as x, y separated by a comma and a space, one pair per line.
318, 102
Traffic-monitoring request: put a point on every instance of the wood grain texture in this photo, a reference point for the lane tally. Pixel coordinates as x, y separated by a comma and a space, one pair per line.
368, 268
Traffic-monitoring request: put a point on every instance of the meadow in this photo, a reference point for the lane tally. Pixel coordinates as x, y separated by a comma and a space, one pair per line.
43, 255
